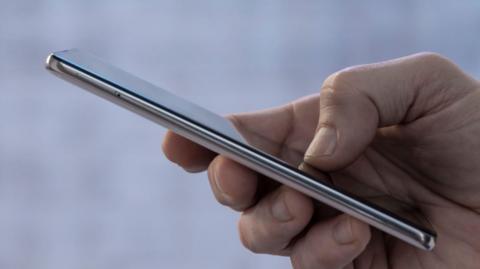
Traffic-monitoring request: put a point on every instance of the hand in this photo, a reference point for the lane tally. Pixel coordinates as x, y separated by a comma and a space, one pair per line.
409, 127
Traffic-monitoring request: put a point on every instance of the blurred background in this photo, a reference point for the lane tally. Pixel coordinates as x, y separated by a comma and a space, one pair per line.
83, 183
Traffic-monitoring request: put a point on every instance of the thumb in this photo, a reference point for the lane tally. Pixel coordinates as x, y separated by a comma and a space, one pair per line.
356, 101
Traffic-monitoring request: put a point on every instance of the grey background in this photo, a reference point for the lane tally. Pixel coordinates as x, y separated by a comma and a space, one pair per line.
83, 183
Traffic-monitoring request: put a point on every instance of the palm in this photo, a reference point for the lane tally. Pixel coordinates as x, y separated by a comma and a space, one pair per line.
403, 161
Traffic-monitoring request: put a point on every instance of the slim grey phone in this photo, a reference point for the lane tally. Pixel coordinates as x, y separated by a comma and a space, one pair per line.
220, 135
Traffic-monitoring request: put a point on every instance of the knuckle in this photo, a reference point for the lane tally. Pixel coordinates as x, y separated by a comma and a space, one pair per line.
434, 67
435, 72
338, 89
340, 81
433, 59
343, 82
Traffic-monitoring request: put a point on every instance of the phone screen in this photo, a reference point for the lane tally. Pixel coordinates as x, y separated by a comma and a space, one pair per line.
242, 135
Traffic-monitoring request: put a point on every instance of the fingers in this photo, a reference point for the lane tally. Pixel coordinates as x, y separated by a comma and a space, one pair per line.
267, 129
275, 221
232, 184
331, 244
190, 156
356, 101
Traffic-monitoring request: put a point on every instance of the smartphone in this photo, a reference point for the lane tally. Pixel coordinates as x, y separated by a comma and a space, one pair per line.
221, 136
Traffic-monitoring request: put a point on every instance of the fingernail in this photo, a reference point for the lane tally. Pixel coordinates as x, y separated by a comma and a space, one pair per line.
323, 143
342, 232
280, 210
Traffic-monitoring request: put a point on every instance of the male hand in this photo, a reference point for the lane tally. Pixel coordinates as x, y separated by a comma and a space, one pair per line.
409, 127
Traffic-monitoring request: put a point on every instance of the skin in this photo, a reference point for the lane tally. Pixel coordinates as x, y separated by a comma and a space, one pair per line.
408, 127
